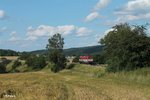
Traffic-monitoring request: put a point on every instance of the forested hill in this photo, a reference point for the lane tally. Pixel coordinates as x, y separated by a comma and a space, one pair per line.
90, 50
84, 50
8, 52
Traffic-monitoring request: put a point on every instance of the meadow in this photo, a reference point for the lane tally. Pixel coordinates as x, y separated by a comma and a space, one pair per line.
82, 82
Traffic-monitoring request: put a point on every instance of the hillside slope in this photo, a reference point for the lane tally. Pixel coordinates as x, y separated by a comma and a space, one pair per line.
8, 52
77, 51
80, 83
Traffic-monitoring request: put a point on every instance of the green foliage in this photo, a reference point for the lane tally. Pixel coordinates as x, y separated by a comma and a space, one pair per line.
127, 48
70, 66
24, 56
8, 53
36, 62
76, 59
3, 64
2, 68
16, 64
55, 52
99, 59
56, 42
91, 50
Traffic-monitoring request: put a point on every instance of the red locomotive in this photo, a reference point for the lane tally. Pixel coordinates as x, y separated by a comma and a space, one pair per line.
86, 59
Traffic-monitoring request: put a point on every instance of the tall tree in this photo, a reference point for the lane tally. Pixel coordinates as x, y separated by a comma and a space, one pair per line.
55, 48
127, 48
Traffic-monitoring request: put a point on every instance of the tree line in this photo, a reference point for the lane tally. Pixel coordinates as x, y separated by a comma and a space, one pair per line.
8, 53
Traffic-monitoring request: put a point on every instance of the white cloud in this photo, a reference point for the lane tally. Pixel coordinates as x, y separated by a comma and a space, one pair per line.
101, 4
65, 30
14, 37
31, 38
82, 31
95, 14
100, 36
40, 31
148, 31
134, 10
2, 14
107, 31
45, 31
137, 4
3, 29
13, 33
92, 16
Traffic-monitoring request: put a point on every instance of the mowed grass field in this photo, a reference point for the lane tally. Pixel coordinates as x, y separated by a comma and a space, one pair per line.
83, 82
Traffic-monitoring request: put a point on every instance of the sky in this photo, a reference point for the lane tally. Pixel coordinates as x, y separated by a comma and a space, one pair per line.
26, 25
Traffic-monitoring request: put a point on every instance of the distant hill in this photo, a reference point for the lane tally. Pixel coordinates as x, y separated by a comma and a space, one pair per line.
90, 50
8, 52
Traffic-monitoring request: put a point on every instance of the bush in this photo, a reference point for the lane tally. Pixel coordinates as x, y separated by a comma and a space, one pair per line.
59, 60
70, 66
5, 61
16, 64
98, 59
36, 62
55, 68
76, 59
24, 56
3, 64
2, 68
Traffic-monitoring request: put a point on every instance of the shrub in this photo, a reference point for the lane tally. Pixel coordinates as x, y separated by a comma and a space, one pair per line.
36, 62
55, 68
76, 59
3, 64
99, 59
70, 66
5, 61
16, 64
24, 56
59, 60
2, 68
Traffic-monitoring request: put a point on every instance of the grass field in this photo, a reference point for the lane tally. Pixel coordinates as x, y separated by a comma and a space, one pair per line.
9, 57
83, 82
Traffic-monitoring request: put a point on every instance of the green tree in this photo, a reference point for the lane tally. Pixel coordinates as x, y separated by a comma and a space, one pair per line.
55, 52
127, 48
98, 59
36, 62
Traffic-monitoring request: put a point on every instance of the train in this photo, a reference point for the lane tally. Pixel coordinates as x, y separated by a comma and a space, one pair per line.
86, 59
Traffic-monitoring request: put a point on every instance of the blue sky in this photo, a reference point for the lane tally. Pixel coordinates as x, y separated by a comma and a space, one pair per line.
26, 25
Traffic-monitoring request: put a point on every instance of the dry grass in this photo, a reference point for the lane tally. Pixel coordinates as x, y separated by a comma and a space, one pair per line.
10, 57
76, 84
